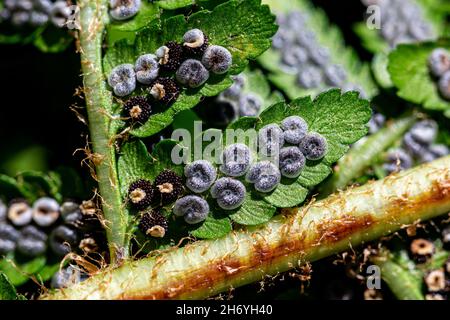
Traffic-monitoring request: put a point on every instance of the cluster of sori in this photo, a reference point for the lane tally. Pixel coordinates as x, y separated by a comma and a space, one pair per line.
289, 145
285, 150
48, 228
302, 55
418, 145
376, 122
191, 62
437, 280
402, 21
439, 66
35, 12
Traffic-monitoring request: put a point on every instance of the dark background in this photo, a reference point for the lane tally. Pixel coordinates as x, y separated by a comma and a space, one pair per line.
38, 89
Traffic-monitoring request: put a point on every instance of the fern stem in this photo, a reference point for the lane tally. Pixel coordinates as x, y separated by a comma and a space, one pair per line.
323, 228
93, 17
361, 156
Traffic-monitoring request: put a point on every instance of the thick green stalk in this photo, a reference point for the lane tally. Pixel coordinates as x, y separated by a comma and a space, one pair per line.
93, 16
323, 228
362, 155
